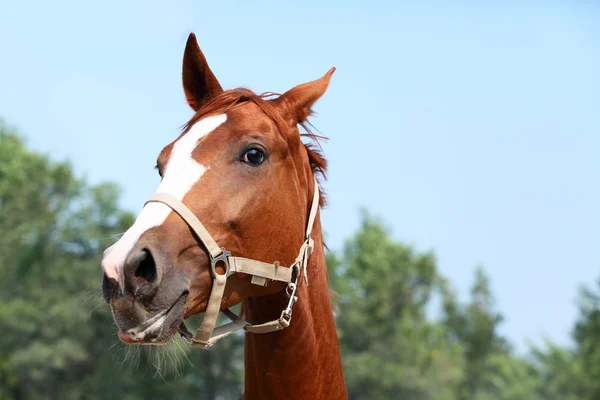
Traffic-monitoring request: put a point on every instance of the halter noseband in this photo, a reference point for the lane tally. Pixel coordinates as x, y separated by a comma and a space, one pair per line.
207, 334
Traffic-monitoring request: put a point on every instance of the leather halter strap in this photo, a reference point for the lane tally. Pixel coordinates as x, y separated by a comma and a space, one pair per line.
260, 271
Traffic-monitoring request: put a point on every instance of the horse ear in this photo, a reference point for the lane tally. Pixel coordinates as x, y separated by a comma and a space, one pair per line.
296, 103
199, 83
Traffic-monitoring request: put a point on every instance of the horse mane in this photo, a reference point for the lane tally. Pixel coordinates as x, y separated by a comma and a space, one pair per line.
229, 99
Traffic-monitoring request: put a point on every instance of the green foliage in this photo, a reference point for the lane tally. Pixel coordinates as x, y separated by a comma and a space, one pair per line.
58, 339
475, 325
389, 348
587, 336
559, 372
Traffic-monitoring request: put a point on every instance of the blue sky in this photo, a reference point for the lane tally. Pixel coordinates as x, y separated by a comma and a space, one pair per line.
474, 130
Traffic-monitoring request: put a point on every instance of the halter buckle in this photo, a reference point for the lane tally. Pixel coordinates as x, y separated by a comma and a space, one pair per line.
310, 245
224, 258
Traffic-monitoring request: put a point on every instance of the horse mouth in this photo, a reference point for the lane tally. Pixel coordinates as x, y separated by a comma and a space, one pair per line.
160, 328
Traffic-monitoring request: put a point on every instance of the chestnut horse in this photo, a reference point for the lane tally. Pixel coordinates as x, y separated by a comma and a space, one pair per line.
238, 182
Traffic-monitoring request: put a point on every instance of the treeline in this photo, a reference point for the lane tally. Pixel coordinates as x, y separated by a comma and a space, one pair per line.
58, 341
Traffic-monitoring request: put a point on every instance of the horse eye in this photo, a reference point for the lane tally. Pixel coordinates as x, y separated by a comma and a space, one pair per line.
253, 157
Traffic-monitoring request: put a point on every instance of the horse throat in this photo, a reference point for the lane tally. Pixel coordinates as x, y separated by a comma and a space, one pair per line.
302, 361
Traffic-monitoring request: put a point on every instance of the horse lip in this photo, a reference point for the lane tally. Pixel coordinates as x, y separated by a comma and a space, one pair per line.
153, 325
148, 323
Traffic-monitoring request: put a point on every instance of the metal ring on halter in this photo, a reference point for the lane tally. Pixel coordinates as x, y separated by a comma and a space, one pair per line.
290, 289
224, 257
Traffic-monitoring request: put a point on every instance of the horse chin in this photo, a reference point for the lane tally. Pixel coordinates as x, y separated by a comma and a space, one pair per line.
159, 329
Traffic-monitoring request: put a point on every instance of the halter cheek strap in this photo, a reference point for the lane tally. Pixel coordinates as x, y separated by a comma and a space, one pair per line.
261, 273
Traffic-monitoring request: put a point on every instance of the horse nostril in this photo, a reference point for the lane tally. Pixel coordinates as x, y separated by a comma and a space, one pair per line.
146, 268
108, 287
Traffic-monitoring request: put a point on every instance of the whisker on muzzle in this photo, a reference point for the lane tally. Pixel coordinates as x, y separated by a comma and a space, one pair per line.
113, 236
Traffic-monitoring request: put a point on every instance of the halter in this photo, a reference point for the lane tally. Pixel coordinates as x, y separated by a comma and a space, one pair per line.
207, 334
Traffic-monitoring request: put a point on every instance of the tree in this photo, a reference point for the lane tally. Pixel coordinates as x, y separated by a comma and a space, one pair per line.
587, 337
559, 372
389, 348
475, 326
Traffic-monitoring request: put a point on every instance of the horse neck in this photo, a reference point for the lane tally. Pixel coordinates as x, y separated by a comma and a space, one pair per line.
303, 360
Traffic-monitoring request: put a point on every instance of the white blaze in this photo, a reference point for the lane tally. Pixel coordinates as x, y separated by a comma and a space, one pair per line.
180, 175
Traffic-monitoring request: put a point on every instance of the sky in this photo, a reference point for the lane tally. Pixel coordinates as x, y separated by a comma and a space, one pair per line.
473, 130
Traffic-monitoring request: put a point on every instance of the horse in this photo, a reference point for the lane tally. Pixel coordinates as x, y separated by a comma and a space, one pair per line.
235, 219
